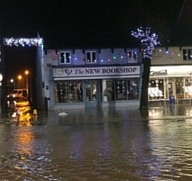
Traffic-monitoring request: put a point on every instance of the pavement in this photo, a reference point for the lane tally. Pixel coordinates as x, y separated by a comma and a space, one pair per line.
158, 110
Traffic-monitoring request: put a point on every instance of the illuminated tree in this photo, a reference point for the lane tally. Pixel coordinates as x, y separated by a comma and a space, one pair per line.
148, 41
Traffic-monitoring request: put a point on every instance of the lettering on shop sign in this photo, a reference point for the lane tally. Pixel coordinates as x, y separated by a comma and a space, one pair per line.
127, 70
107, 71
156, 73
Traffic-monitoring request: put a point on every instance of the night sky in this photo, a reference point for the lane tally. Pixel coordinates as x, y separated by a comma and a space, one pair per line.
77, 23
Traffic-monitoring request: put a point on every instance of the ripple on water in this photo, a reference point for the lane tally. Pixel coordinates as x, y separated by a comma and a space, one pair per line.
113, 151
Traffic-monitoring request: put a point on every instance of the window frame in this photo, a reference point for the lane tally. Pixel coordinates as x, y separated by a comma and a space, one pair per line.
65, 57
91, 57
134, 56
187, 54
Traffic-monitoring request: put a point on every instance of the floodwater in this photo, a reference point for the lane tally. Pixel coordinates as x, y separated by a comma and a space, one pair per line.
96, 145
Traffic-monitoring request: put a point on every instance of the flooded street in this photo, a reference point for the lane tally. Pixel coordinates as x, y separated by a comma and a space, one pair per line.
98, 145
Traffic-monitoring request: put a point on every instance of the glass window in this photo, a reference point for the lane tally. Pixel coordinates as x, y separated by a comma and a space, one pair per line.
188, 87
68, 91
156, 88
184, 54
132, 56
179, 88
187, 54
65, 57
127, 89
133, 89
91, 90
188, 81
108, 90
91, 57
120, 89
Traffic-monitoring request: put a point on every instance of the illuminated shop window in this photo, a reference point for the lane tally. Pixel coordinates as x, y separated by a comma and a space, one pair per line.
91, 57
127, 89
120, 89
68, 91
65, 57
156, 89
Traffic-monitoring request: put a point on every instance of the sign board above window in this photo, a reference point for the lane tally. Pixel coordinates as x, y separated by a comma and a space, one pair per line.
96, 72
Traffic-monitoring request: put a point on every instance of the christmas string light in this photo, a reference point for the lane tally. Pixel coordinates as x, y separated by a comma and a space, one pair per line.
147, 39
23, 41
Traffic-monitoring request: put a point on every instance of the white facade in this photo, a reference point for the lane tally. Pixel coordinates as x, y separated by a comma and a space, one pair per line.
171, 73
91, 77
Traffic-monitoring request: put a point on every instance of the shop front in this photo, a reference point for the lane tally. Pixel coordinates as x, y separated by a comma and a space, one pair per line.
96, 86
170, 80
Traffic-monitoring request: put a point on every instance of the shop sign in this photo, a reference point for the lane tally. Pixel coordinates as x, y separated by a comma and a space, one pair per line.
96, 71
158, 73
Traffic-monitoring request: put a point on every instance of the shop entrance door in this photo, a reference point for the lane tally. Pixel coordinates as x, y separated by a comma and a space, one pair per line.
92, 93
171, 87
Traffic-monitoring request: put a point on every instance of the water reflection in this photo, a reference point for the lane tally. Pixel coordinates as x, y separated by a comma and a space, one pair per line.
110, 144
26, 154
179, 110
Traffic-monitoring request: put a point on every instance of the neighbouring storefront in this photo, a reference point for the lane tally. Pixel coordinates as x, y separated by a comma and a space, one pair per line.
96, 86
170, 80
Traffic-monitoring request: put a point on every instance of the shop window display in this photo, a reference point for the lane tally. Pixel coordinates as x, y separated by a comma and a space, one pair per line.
121, 89
155, 90
188, 87
68, 91
108, 90
133, 89
179, 88
91, 90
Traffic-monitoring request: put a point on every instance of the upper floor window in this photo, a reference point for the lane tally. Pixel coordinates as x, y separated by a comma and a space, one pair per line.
187, 54
132, 56
91, 57
65, 57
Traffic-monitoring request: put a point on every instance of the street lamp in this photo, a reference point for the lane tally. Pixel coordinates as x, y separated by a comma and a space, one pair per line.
19, 78
13, 83
27, 73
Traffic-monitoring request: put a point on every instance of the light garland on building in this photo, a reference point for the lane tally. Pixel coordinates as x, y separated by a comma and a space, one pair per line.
23, 41
147, 39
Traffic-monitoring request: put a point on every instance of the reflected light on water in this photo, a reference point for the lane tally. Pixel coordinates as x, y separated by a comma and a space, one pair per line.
188, 113
25, 141
25, 137
27, 156
24, 123
188, 121
113, 146
155, 112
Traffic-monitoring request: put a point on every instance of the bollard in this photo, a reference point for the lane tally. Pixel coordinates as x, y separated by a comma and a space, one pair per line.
34, 112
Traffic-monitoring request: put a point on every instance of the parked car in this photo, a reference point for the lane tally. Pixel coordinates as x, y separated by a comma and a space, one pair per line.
18, 94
